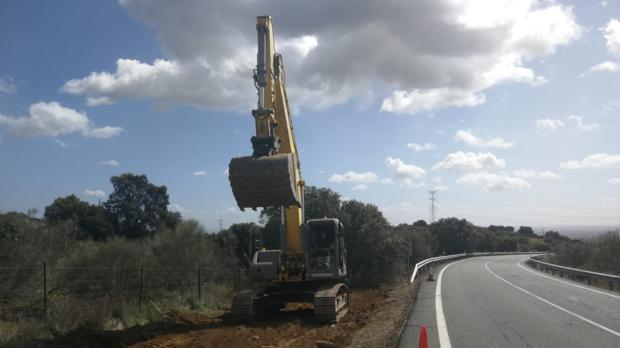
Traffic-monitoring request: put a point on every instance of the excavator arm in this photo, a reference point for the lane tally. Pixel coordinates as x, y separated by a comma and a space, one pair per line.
272, 175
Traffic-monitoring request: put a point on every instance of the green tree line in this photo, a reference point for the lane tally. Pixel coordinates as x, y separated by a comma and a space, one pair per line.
134, 227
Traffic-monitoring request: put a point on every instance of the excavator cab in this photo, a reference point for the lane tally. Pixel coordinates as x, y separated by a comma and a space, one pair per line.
325, 250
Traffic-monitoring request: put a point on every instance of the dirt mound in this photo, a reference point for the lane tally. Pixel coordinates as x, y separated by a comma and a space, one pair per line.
291, 327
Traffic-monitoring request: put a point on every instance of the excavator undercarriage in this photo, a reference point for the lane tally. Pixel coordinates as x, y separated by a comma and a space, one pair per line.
330, 300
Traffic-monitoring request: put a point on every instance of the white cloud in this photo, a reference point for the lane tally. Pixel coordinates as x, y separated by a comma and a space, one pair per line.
469, 161
441, 188
607, 66
387, 181
578, 120
412, 184
52, 119
425, 147
437, 180
594, 161
470, 139
61, 143
7, 85
200, 173
103, 132
94, 193
351, 176
303, 45
424, 70
493, 182
175, 207
612, 36
403, 170
430, 99
96, 101
533, 174
405, 212
225, 172
110, 163
549, 124
360, 187
613, 181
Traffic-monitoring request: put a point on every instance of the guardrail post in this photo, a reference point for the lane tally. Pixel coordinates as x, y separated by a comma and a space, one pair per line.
611, 285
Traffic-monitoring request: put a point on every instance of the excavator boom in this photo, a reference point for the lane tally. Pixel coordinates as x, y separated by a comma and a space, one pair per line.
271, 176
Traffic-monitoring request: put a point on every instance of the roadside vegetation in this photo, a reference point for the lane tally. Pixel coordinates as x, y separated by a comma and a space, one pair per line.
130, 260
599, 253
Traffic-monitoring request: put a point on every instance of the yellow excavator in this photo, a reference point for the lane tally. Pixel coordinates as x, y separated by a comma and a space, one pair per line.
310, 266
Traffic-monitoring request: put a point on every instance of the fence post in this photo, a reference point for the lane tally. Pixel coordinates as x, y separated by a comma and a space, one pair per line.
44, 288
199, 287
239, 280
141, 288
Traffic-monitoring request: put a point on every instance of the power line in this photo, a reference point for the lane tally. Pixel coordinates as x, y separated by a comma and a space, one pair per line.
433, 207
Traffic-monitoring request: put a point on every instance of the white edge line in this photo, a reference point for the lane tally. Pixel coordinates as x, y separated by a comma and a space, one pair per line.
442, 327
567, 283
591, 322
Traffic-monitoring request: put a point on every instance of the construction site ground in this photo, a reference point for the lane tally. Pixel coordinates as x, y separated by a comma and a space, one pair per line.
375, 319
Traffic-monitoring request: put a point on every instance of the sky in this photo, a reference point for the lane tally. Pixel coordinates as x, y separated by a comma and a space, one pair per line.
509, 110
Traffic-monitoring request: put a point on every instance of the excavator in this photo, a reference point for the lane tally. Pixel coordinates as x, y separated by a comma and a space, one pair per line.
310, 265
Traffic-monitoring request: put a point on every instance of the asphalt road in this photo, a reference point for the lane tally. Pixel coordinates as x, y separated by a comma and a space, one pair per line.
497, 301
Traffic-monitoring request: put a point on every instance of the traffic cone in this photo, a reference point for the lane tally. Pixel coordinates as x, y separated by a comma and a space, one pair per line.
423, 343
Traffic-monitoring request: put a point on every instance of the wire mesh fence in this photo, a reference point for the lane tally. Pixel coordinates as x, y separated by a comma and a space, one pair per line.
41, 289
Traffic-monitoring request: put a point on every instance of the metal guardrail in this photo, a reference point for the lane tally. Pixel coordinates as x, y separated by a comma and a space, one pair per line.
422, 264
576, 273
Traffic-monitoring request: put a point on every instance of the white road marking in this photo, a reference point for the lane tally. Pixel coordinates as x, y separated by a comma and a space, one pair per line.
568, 283
442, 328
591, 322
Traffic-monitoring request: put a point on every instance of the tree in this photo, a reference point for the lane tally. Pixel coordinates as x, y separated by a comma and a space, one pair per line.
245, 243
65, 209
94, 224
321, 202
420, 223
454, 235
526, 231
136, 208
422, 243
502, 229
86, 221
374, 252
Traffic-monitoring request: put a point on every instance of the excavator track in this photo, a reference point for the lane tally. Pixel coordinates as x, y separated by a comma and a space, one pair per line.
267, 181
331, 303
245, 305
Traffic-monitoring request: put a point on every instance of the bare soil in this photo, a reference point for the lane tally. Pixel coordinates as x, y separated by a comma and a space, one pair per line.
374, 319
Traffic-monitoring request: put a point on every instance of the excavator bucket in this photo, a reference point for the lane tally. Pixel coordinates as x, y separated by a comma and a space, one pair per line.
267, 181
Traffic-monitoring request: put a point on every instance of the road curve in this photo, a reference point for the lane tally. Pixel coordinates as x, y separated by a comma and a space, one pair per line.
496, 301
